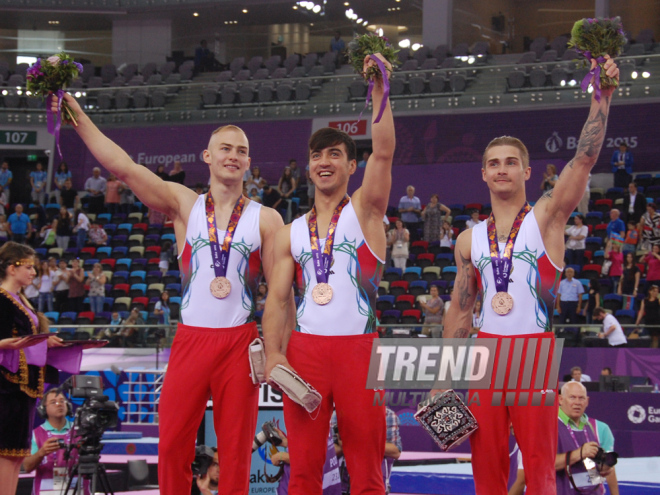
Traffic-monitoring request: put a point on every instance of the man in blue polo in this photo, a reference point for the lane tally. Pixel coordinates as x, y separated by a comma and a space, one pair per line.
616, 225
20, 227
5, 178
410, 208
569, 297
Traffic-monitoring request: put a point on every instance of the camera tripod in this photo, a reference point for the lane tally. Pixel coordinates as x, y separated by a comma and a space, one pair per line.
88, 469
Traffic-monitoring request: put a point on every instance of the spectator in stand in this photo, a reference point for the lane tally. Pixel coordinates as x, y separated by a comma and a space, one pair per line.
616, 225
550, 177
31, 291
204, 58
162, 308
130, 334
410, 209
160, 172
594, 300
611, 328
63, 227
399, 239
629, 282
578, 376
650, 311
177, 174
254, 196
199, 188
81, 229
20, 228
446, 235
4, 201
45, 284
6, 177
652, 261
613, 253
337, 45
96, 280
69, 197
156, 217
622, 166
632, 238
477, 318
650, 227
262, 294
287, 187
256, 182
433, 309
569, 297
432, 216
76, 286
112, 190
60, 177
365, 158
61, 286
95, 187
576, 241
38, 183
583, 206
606, 371
295, 171
126, 199
474, 219
97, 235
111, 332
311, 188
4, 230
272, 197
634, 204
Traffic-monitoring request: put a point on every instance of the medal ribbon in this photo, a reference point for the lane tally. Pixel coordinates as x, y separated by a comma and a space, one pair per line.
502, 265
322, 260
220, 254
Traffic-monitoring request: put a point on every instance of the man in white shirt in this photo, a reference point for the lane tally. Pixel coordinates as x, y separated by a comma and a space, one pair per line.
474, 219
611, 328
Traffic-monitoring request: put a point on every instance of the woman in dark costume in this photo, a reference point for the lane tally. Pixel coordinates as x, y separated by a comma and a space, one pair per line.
22, 361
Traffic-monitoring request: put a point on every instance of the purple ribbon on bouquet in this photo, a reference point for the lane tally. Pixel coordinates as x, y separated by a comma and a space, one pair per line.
595, 73
386, 93
54, 127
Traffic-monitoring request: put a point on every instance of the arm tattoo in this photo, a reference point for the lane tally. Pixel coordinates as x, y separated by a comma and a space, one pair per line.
593, 134
461, 333
465, 272
547, 194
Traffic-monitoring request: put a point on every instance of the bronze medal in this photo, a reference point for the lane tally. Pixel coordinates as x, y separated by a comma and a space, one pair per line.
220, 287
322, 294
502, 303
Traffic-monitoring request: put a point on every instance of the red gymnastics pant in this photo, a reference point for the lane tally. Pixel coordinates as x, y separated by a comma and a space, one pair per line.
337, 367
534, 426
203, 362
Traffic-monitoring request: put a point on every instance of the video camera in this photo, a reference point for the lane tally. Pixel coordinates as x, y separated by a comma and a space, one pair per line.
97, 414
203, 460
267, 434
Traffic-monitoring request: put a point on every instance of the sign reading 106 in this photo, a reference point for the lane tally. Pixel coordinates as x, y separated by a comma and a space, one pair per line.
17, 138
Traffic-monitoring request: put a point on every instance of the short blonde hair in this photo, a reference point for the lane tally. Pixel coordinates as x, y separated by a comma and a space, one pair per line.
508, 141
229, 127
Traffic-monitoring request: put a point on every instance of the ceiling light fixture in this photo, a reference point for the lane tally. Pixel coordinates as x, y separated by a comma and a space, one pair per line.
195, 14
245, 11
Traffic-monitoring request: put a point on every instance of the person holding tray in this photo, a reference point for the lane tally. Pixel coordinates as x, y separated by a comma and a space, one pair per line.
24, 344
336, 254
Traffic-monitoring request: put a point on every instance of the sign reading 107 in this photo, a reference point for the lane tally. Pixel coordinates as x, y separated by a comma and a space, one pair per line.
18, 138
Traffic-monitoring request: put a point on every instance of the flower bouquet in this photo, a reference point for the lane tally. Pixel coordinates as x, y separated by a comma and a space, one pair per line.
595, 38
370, 44
52, 75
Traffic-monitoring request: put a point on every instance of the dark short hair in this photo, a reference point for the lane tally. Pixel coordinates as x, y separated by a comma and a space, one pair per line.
599, 311
653, 205
327, 136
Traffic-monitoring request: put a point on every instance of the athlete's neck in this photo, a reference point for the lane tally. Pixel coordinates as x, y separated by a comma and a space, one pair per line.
505, 210
326, 203
225, 195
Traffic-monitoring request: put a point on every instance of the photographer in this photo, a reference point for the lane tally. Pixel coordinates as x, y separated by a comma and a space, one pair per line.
47, 452
208, 484
585, 444
331, 482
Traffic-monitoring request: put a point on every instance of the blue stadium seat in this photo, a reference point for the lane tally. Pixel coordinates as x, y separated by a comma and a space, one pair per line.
110, 228
412, 273
120, 277
123, 264
167, 237
137, 290
53, 316
137, 277
383, 303
173, 289
104, 252
392, 274
103, 218
418, 287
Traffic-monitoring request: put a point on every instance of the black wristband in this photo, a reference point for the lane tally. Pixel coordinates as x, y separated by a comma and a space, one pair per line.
581, 458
